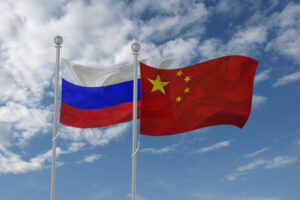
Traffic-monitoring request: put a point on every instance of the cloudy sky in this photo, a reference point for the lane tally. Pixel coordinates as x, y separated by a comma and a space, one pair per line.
259, 162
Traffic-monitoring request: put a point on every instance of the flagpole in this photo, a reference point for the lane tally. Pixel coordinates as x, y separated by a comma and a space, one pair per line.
58, 40
135, 47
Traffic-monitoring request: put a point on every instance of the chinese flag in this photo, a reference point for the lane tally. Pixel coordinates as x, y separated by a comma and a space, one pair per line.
214, 92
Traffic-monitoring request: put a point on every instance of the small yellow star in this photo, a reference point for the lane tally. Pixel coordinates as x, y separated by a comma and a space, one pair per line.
178, 99
179, 73
187, 78
187, 89
158, 84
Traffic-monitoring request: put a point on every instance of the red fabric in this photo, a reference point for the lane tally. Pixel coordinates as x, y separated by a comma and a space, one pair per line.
220, 93
93, 118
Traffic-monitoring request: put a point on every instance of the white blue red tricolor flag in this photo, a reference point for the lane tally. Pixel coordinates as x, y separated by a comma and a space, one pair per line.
96, 97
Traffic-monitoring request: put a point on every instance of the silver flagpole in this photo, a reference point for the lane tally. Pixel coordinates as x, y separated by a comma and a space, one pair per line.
58, 40
135, 47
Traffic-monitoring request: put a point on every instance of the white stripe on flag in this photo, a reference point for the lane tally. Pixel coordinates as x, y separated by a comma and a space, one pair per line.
102, 76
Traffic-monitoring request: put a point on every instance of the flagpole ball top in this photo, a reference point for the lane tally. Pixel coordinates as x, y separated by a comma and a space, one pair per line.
58, 40
135, 47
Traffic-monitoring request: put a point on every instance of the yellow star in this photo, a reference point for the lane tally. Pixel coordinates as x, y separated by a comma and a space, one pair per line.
187, 89
158, 84
179, 73
187, 78
178, 99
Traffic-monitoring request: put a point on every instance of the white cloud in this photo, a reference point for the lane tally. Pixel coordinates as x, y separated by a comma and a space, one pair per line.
169, 25
250, 155
25, 68
287, 79
8, 89
243, 42
211, 48
5, 136
94, 42
76, 146
250, 36
262, 76
258, 100
27, 121
92, 158
289, 17
252, 165
279, 161
253, 35
10, 23
182, 50
287, 39
36, 11
166, 149
232, 177
216, 146
287, 43
94, 137
13, 163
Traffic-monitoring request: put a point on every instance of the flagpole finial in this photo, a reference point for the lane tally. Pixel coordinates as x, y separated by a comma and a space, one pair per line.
135, 47
58, 40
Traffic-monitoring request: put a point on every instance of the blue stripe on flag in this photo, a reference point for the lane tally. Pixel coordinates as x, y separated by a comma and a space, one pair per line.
98, 97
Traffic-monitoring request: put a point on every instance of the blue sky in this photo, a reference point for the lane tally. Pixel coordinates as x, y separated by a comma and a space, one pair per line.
259, 162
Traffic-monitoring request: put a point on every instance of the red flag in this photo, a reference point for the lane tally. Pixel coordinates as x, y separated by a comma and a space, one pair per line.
214, 92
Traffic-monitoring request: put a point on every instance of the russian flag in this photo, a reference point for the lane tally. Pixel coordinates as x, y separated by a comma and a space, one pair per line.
96, 97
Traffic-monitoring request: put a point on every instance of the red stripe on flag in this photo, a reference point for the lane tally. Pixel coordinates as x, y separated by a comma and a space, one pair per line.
93, 118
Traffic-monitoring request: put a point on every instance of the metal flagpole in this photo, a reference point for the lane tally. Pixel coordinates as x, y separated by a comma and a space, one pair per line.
135, 47
58, 40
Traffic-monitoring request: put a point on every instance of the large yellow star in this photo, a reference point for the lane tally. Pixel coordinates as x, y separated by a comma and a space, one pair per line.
158, 84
